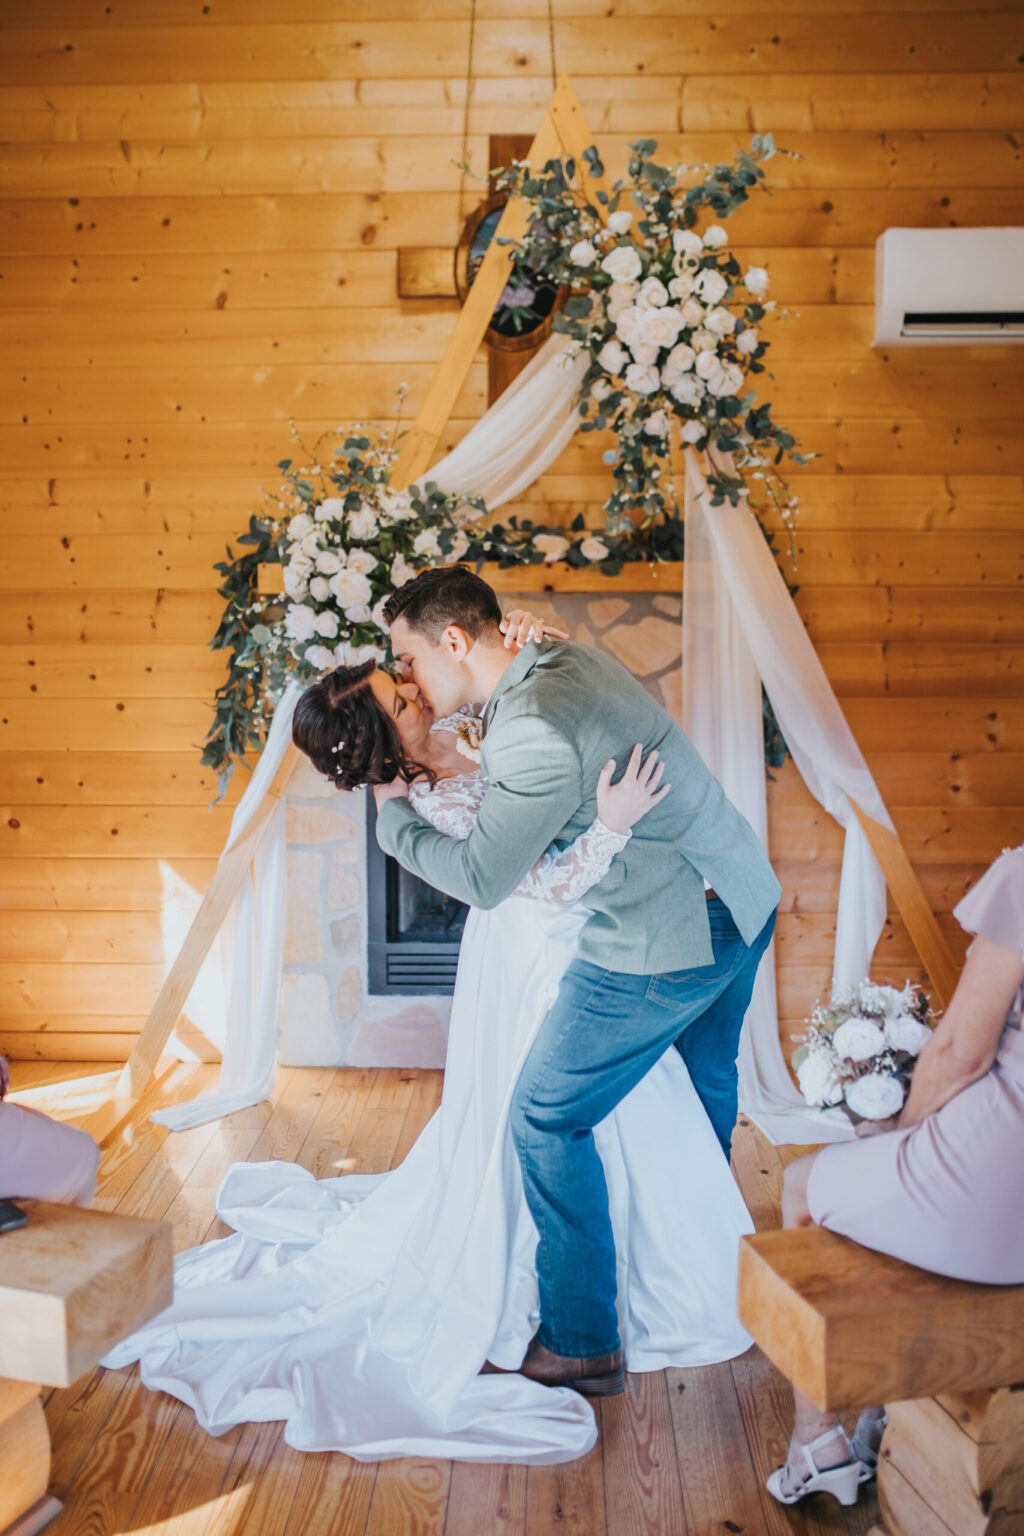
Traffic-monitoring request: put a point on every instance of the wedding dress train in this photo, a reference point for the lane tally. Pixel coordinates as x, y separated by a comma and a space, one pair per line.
360, 1309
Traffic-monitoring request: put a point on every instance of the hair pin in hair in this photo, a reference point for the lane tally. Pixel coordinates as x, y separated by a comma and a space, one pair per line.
338, 747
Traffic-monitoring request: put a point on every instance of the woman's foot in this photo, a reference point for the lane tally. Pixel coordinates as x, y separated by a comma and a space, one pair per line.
826, 1465
867, 1440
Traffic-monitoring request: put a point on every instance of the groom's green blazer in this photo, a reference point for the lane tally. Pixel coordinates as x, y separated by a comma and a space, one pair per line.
557, 716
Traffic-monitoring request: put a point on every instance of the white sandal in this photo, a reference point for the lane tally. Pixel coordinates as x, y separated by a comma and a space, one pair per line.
865, 1454
841, 1482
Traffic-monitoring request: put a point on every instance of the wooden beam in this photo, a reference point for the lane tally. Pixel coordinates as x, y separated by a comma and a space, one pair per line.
929, 940
563, 131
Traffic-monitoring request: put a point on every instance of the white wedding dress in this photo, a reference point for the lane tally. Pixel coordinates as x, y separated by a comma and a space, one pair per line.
360, 1309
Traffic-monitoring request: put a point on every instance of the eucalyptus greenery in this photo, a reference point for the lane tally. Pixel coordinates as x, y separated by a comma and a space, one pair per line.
669, 319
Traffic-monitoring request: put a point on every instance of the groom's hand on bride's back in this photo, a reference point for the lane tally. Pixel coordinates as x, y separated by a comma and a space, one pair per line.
398, 789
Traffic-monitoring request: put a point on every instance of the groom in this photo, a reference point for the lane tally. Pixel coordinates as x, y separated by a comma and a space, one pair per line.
664, 959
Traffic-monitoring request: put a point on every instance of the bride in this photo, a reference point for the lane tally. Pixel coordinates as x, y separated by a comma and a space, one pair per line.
361, 1310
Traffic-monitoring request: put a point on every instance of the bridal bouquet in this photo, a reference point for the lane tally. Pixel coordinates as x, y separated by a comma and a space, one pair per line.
860, 1049
670, 319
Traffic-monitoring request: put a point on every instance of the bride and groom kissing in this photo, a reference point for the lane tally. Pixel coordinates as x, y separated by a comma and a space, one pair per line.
568, 1212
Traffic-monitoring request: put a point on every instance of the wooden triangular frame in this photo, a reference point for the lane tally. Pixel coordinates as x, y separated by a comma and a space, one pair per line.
563, 131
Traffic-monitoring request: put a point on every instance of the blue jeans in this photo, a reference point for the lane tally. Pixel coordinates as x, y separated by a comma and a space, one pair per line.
604, 1033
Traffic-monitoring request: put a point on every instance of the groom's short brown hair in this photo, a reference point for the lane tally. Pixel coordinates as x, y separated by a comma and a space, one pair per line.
443, 595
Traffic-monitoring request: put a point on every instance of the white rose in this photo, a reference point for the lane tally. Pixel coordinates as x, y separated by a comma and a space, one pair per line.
644, 351
613, 357
657, 424
875, 1097
687, 389
686, 243
747, 341
320, 588
401, 571
642, 379
351, 587
310, 543
320, 657
551, 545
600, 389
328, 561
329, 511
711, 286
906, 1033
661, 327
819, 1081
295, 578
583, 254
359, 613
348, 655
692, 311
362, 524
651, 294
459, 546
756, 281
395, 506
682, 286
691, 431
594, 549
858, 1039
720, 321
377, 614
427, 543
300, 525
623, 264
707, 363
363, 561
727, 381
715, 237
682, 266
680, 360
619, 222
326, 624
299, 622
620, 296
628, 323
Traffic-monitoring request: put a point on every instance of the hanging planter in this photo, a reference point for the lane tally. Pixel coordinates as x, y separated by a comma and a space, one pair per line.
524, 314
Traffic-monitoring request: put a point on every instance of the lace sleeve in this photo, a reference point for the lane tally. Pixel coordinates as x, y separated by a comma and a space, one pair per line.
566, 876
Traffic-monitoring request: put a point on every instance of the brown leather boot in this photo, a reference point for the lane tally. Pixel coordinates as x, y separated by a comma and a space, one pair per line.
598, 1376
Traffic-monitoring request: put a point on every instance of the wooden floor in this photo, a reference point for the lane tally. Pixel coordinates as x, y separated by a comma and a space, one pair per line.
682, 1453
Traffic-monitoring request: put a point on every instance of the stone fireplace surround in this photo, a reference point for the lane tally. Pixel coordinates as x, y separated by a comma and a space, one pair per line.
328, 1015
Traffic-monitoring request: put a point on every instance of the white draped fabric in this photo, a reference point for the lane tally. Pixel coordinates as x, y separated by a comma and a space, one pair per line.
255, 929
736, 607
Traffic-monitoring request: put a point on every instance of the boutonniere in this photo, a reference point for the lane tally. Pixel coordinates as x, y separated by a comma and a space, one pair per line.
470, 735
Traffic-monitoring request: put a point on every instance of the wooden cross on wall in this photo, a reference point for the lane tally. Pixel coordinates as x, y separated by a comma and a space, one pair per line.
428, 271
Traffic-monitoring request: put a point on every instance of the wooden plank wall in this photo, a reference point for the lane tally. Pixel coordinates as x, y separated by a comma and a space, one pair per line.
200, 206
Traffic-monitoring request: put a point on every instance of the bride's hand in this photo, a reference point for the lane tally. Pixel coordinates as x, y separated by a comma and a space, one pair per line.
620, 806
518, 626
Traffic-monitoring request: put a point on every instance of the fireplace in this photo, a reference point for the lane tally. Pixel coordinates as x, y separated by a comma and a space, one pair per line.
414, 930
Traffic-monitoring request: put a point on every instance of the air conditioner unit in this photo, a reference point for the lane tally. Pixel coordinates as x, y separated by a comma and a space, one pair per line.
949, 287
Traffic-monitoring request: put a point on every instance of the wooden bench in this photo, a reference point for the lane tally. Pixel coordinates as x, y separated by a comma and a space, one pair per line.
850, 1327
72, 1283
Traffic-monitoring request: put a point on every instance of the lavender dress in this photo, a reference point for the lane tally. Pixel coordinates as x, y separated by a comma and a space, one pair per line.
946, 1194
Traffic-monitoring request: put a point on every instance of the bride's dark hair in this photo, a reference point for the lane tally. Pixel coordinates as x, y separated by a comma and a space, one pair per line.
348, 735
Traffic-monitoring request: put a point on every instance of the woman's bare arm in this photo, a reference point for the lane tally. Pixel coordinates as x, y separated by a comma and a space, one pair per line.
964, 1046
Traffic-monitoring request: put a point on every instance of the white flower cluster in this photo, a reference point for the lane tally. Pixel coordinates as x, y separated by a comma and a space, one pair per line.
860, 1049
670, 332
